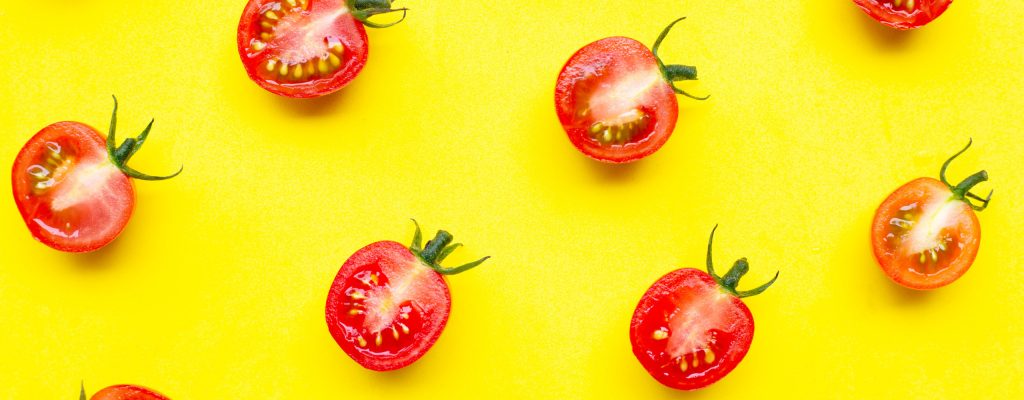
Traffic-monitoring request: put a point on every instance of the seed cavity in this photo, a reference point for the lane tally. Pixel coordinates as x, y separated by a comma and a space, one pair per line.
289, 70
709, 356
660, 334
619, 129
361, 341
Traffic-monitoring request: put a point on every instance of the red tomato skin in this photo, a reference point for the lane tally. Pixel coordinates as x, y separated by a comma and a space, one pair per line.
743, 336
356, 54
127, 392
922, 189
611, 54
884, 13
88, 143
375, 253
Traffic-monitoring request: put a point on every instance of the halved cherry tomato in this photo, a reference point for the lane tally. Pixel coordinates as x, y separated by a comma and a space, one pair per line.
389, 303
125, 392
904, 14
307, 48
71, 185
691, 328
925, 235
616, 100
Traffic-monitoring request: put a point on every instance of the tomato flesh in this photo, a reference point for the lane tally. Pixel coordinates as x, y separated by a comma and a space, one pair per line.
127, 392
386, 308
301, 48
923, 237
70, 195
688, 333
904, 14
613, 101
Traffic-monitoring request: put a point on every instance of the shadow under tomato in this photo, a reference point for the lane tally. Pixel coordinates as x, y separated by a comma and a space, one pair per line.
612, 173
317, 106
884, 37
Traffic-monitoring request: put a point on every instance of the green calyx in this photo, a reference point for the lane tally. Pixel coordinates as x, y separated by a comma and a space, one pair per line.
437, 249
962, 191
82, 396
674, 73
732, 278
362, 10
119, 155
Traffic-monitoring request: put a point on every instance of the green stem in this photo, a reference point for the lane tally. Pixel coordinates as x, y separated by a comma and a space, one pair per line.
732, 278
362, 10
435, 246
120, 155
962, 191
437, 249
674, 73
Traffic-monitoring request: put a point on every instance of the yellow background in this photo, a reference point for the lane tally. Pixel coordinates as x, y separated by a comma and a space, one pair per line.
216, 288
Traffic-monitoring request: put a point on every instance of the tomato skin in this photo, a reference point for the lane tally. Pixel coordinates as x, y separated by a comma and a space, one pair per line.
431, 315
729, 329
90, 222
127, 392
601, 63
959, 227
884, 12
347, 29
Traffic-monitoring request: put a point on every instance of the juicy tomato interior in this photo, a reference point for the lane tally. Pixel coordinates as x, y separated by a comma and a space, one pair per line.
386, 308
69, 193
613, 101
687, 333
127, 392
301, 48
922, 237
904, 14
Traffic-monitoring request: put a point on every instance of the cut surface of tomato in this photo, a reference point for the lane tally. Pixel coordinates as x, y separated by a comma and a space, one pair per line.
389, 303
126, 392
72, 186
926, 234
616, 101
904, 14
691, 327
68, 192
301, 48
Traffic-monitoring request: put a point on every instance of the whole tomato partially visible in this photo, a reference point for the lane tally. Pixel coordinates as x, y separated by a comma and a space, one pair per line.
125, 392
904, 14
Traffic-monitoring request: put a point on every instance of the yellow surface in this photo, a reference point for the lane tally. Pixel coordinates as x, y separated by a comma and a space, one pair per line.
216, 288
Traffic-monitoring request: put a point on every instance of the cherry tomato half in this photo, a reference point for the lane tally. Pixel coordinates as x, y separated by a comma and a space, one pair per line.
904, 14
72, 186
306, 48
925, 235
389, 303
691, 327
616, 100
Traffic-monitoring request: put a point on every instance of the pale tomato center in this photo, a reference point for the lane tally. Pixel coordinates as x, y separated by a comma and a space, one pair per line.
85, 182
690, 327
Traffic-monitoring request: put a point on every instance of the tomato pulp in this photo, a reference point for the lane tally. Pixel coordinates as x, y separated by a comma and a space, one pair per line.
389, 303
691, 327
926, 234
615, 98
